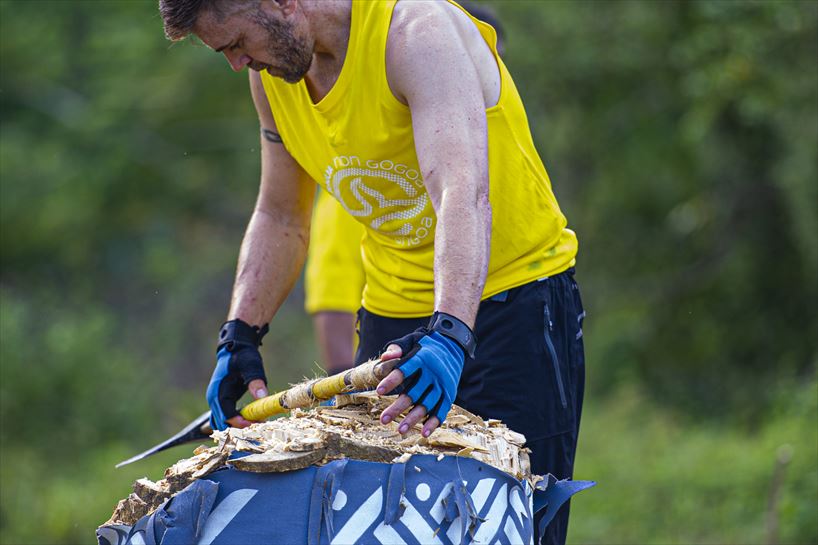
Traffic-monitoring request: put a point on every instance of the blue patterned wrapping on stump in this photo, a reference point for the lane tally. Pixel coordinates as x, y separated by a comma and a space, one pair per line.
424, 501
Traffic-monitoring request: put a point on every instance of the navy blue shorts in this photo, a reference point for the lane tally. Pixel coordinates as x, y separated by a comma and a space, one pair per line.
528, 371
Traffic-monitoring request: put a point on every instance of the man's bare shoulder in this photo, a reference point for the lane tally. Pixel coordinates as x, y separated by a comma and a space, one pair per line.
417, 21
430, 38
421, 35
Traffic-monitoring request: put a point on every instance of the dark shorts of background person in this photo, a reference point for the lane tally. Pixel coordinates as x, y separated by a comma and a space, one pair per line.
528, 371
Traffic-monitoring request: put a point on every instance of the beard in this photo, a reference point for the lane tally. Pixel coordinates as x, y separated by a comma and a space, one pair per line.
292, 55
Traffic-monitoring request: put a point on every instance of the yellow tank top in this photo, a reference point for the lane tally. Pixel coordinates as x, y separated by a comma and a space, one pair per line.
334, 276
357, 143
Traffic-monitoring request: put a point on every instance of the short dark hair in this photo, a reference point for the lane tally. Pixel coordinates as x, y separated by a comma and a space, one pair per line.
180, 16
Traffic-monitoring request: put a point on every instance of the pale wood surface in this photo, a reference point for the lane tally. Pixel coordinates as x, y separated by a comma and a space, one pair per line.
350, 429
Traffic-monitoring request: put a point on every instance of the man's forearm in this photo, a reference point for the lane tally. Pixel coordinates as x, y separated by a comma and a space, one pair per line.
462, 247
272, 254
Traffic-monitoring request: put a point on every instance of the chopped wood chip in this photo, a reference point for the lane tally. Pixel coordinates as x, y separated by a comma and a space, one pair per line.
276, 462
403, 458
447, 438
151, 492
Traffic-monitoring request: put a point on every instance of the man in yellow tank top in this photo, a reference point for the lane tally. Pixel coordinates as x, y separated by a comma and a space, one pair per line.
405, 114
334, 276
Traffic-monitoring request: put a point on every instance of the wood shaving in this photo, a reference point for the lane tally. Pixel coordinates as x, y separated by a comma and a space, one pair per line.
350, 429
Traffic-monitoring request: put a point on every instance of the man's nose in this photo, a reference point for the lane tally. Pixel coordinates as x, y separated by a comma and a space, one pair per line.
237, 60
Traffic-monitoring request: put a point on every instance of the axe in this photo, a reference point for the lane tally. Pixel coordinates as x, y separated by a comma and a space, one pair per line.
305, 394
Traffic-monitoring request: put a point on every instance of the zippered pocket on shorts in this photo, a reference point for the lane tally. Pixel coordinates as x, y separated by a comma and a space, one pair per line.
549, 327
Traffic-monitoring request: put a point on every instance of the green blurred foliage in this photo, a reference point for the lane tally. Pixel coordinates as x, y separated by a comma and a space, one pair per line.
681, 139
662, 480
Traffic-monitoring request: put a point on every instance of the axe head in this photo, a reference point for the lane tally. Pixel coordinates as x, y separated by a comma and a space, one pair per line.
197, 430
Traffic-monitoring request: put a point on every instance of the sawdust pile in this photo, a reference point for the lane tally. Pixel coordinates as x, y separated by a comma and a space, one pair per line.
350, 429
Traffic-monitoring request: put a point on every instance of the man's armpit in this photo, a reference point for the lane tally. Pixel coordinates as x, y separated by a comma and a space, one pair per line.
271, 136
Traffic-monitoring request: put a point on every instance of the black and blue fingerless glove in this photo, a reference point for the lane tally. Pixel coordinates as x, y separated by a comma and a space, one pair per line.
238, 362
433, 362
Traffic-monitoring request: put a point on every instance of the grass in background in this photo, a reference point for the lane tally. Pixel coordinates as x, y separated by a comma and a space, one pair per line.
664, 479
59, 499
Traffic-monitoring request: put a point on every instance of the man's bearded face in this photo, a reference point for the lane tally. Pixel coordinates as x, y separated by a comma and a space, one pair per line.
290, 55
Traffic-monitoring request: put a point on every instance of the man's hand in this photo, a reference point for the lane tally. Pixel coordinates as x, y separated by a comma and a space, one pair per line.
238, 368
434, 361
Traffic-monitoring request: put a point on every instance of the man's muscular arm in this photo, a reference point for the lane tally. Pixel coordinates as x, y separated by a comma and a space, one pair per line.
431, 67
275, 243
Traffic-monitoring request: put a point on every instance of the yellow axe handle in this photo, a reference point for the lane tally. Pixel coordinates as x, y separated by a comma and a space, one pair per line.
306, 394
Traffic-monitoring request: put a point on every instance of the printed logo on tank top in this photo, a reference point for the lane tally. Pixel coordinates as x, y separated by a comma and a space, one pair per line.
408, 219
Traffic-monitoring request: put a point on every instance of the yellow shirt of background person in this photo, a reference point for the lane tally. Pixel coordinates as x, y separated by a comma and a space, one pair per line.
357, 142
334, 277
